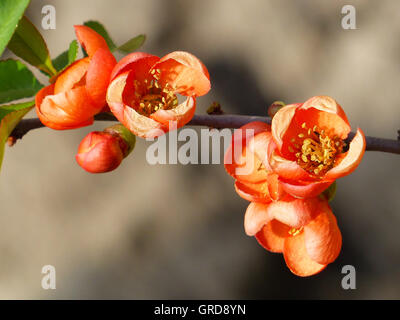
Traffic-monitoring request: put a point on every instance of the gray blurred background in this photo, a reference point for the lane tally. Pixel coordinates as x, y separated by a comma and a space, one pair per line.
175, 231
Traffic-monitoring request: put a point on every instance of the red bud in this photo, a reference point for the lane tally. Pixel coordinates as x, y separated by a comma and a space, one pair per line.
100, 152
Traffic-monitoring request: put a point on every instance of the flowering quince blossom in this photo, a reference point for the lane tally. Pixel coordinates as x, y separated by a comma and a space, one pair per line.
143, 91
308, 148
283, 169
304, 230
246, 160
79, 92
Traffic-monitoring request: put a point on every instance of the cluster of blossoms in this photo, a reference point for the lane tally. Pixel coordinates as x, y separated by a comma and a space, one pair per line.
141, 90
284, 169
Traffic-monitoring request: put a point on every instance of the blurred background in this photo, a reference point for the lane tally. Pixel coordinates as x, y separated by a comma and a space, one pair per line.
175, 231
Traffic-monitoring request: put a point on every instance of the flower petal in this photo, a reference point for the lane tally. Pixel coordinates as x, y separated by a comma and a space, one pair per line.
285, 168
72, 75
43, 93
182, 114
239, 161
66, 110
259, 146
275, 188
98, 76
184, 72
114, 95
297, 259
135, 60
273, 235
326, 113
255, 218
304, 189
325, 104
322, 236
90, 40
293, 212
258, 192
351, 159
281, 122
142, 126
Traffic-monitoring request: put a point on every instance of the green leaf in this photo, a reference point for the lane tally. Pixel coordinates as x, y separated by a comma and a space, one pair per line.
99, 28
11, 12
16, 81
330, 192
28, 44
133, 44
67, 57
10, 116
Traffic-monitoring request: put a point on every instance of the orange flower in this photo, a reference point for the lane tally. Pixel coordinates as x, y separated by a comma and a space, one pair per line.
144, 88
304, 230
79, 92
308, 148
246, 160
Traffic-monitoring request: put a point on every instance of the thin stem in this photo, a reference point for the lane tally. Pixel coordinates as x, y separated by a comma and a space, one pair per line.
219, 122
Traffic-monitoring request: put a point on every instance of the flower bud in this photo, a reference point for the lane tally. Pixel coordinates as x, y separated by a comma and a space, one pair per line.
274, 108
128, 137
104, 151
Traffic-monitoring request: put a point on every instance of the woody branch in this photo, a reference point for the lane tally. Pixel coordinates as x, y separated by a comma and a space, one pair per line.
219, 122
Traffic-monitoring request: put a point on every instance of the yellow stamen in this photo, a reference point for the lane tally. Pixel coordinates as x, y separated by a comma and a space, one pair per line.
151, 95
318, 151
295, 231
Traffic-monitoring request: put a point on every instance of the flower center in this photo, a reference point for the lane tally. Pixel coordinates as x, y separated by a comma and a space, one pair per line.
315, 150
151, 96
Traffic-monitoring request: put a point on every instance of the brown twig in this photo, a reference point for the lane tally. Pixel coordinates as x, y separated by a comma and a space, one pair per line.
219, 122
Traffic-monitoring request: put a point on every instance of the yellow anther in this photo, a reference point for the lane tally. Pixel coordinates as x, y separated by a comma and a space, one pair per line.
318, 152
152, 96
295, 231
